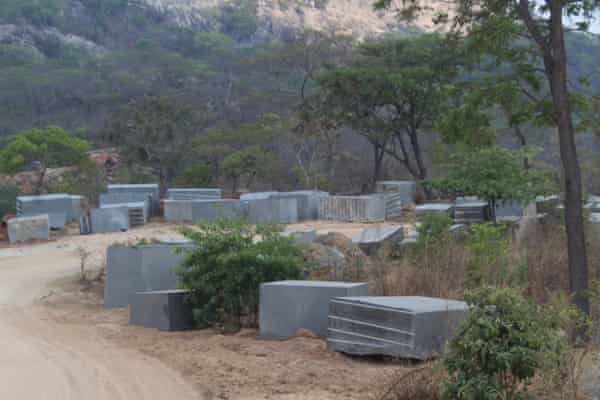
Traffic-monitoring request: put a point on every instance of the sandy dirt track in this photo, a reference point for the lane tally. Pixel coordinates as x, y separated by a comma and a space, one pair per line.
41, 359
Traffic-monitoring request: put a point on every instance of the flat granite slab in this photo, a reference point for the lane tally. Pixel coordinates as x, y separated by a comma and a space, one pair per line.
399, 326
287, 306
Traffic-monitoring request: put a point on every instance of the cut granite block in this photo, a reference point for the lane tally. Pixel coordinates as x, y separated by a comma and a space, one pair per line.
287, 306
167, 310
138, 212
132, 269
407, 327
301, 237
60, 207
406, 189
202, 210
257, 196
308, 202
112, 219
193, 194
352, 208
152, 190
434, 208
23, 229
370, 240
471, 212
272, 211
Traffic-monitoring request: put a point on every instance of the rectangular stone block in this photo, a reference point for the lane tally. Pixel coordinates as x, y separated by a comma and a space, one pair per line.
407, 327
202, 210
302, 236
150, 189
352, 208
113, 219
132, 269
118, 198
434, 208
406, 191
23, 229
60, 207
257, 196
471, 212
272, 211
138, 212
372, 239
193, 194
287, 306
167, 310
308, 202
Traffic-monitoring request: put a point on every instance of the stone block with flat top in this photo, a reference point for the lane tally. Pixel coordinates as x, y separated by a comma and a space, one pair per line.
407, 327
167, 310
288, 306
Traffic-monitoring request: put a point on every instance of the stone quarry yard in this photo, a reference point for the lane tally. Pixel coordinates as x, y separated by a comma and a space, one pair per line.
60, 342
60, 336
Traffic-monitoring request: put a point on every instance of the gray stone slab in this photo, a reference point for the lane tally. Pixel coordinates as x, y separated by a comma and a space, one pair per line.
112, 219
151, 189
407, 327
471, 211
193, 194
353, 208
202, 210
434, 208
23, 229
302, 237
370, 240
138, 212
272, 211
595, 222
62, 208
117, 198
308, 202
132, 269
257, 196
287, 306
167, 310
406, 190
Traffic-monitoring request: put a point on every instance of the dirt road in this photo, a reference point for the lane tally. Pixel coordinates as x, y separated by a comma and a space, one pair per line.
40, 359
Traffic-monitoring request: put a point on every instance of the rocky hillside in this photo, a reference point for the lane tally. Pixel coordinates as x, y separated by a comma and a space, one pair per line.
286, 17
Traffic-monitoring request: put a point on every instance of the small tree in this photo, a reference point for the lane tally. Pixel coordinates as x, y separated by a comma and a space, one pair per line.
229, 262
503, 344
493, 174
49, 147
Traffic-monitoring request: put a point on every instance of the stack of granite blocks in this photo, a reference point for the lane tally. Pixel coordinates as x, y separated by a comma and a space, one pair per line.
467, 212
60, 208
362, 209
434, 208
398, 194
406, 327
193, 194
150, 190
202, 210
272, 210
307, 201
142, 268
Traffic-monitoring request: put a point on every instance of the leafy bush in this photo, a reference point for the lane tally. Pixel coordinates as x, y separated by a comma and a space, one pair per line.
489, 263
433, 229
229, 262
195, 176
503, 344
8, 199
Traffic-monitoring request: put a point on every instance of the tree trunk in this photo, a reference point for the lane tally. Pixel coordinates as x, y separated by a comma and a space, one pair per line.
378, 153
40, 182
557, 74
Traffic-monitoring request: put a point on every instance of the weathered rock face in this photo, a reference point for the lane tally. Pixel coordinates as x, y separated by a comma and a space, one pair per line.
283, 18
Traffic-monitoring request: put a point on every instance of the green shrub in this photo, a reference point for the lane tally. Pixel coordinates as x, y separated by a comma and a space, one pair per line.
434, 228
230, 261
8, 199
195, 176
503, 344
489, 263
